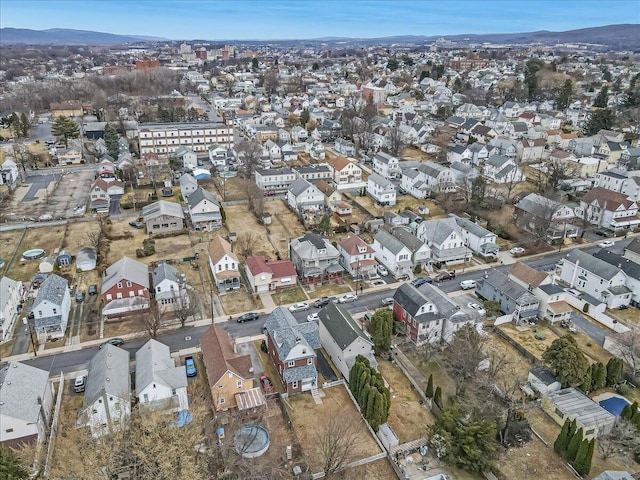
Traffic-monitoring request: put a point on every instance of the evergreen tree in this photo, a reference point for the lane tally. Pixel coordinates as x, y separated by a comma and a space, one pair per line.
567, 361
429, 391
223, 215
111, 140
626, 412
478, 190
574, 445
325, 227
633, 93
437, 397
598, 376
602, 98
585, 386
381, 329
64, 129
573, 428
601, 119
304, 118
582, 463
562, 442
369, 412
10, 466
24, 125
564, 95
614, 371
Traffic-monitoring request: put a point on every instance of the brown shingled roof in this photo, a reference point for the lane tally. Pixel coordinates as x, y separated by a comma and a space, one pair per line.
528, 275
218, 247
339, 162
219, 358
607, 199
351, 243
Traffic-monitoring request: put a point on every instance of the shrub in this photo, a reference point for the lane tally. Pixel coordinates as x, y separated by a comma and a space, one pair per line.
418, 269
263, 346
585, 309
623, 389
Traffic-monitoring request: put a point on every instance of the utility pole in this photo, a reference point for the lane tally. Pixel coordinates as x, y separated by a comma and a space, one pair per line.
30, 324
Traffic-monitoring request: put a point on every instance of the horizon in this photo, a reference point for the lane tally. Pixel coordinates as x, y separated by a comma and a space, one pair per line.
302, 20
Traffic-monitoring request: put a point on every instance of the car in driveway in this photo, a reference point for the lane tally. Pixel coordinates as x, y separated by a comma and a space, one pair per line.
516, 251
477, 307
190, 366
138, 225
80, 297
444, 276
606, 244
79, 383
573, 292
266, 384
603, 233
312, 317
247, 317
93, 289
299, 307
382, 270
116, 342
387, 301
467, 284
421, 281
348, 298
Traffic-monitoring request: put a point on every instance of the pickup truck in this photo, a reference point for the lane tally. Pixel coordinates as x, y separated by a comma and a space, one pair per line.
190, 365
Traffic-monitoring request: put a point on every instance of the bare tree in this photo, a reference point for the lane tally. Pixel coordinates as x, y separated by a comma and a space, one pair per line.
539, 218
185, 305
337, 443
395, 141
256, 199
629, 349
247, 243
153, 318
620, 441
250, 152
271, 81
463, 355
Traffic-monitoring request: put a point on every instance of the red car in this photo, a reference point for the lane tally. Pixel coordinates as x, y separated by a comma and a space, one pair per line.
266, 384
441, 277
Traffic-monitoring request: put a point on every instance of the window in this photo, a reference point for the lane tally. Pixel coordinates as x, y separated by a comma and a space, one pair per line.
294, 384
119, 284
221, 400
309, 361
291, 364
9, 430
559, 413
239, 383
128, 283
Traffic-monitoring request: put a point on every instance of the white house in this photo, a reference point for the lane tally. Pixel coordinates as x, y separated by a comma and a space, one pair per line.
502, 169
480, 240
9, 174
186, 156
392, 253
11, 295
204, 210
107, 396
343, 339
381, 190
344, 171
609, 209
188, 185
445, 239
169, 288
274, 180
160, 384
357, 257
224, 264
51, 306
303, 197
543, 381
26, 406
345, 147
386, 165
428, 178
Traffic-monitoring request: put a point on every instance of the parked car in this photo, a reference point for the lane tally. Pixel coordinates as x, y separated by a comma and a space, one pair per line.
467, 284
79, 384
516, 251
606, 244
266, 384
80, 297
93, 289
190, 366
382, 271
136, 224
248, 317
321, 302
348, 298
477, 307
113, 341
573, 292
421, 281
603, 233
387, 301
312, 317
443, 276
299, 307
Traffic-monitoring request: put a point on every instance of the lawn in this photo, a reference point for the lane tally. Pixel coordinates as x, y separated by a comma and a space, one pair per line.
533, 460
629, 316
241, 221
432, 367
284, 226
118, 328
588, 346
290, 295
47, 238
407, 416
329, 290
527, 338
238, 301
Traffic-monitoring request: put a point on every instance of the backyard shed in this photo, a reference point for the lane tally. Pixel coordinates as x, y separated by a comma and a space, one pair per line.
543, 381
46, 265
64, 258
86, 259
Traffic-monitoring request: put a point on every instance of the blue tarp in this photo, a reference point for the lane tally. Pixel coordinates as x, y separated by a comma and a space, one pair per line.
184, 418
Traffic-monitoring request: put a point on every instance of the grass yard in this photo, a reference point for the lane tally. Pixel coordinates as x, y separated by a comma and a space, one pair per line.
269, 368
9, 242
527, 338
118, 328
284, 226
232, 189
378, 470
329, 290
533, 460
238, 301
629, 316
428, 367
589, 347
47, 238
290, 295
241, 221
308, 418
407, 416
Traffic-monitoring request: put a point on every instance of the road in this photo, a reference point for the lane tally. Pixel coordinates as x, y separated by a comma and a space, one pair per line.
206, 107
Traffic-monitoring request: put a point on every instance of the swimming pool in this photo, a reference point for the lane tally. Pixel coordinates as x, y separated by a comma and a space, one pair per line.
614, 405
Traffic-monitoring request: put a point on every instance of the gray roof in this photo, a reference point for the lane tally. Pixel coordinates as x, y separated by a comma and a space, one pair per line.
155, 365
437, 231
598, 267
108, 370
299, 187
313, 169
201, 194
389, 242
87, 254
308, 245
384, 157
341, 326
286, 332
52, 290
614, 475
162, 207
578, 406
632, 269
497, 160
538, 205
551, 289
543, 374
274, 171
408, 239
431, 169
503, 283
20, 387
125, 269
471, 227
164, 271
297, 374
411, 299
187, 179
379, 180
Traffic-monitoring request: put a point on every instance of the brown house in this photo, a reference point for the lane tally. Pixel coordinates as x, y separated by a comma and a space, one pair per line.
229, 375
68, 108
125, 288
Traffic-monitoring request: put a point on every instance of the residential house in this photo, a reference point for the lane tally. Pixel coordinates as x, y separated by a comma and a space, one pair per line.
269, 275
168, 286
420, 253
51, 306
571, 404
86, 259
107, 396
163, 217
99, 196
543, 381
125, 288
313, 173
445, 240
621, 181
553, 307
357, 257
220, 156
11, 295
599, 279
229, 375
315, 258
393, 254
26, 406
333, 199
188, 185
288, 152
528, 276
480, 240
292, 349
345, 147
164, 138
608, 209
386, 165
204, 211
9, 174
428, 178
629, 267
546, 218
315, 149
160, 384
502, 169
274, 180
299, 134
185, 157
381, 190
304, 198
430, 316
272, 150
343, 339
69, 156
514, 299
344, 171
529, 150
584, 167
224, 264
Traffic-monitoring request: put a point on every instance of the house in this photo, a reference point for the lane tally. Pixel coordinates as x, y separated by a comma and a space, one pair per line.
303, 197
125, 288
224, 264
430, 316
163, 217
333, 199
220, 156
345, 147
572, 404
543, 381
72, 155
629, 267
107, 395
11, 295
595, 277
185, 156
480, 240
608, 209
627, 183
315, 149
381, 190
530, 149
292, 348
313, 173
343, 339
553, 307
299, 134
160, 384
514, 299
86, 259
272, 150
502, 169
393, 254
51, 306
188, 185
420, 253
228, 374
277, 180
528, 276
168, 287
269, 275
99, 196
9, 174
315, 258
204, 211
357, 257
26, 406
386, 165
428, 178
546, 218
445, 240
344, 171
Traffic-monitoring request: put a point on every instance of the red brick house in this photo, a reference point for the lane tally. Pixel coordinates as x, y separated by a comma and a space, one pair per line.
270, 275
125, 288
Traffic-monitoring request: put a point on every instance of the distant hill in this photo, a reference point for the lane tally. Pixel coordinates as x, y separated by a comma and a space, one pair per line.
67, 36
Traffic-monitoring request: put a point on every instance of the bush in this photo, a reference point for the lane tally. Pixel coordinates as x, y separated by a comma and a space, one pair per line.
623, 389
585, 309
263, 346
418, 269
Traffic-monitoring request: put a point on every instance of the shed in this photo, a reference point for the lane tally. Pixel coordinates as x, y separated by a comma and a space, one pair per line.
86, 259
573, 404
543, 381
201, 174
64, 258
46, 265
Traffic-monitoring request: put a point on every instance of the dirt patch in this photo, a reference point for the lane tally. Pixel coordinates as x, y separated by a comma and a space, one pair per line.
290, 295
378, 470
533, 460
408, 417
412, 153
284, 226
76, 236
118, 328
241, 221
9, 242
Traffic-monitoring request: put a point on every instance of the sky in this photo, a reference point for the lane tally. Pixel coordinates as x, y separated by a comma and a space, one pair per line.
300, 19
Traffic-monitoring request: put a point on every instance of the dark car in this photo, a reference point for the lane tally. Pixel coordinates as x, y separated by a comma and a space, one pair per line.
136, 224
421, 281
248, 317
442, 276
321, 302
93, 289
80, 297
190, 366
116, 342
602, 232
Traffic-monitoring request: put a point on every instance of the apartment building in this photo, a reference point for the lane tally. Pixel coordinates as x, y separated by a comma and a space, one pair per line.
165, 138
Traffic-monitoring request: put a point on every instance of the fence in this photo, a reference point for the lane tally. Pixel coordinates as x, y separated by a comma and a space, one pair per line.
526, 353
54, 427
600, 317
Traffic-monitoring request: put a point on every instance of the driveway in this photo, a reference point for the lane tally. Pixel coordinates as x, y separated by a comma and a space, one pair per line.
325, 369
593, 331
38, 182
114, 205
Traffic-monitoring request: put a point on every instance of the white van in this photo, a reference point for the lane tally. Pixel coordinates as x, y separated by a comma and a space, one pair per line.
467, 284
79, 384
